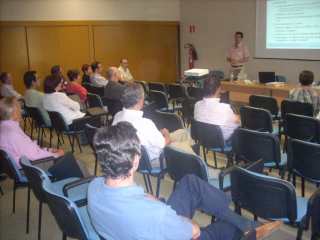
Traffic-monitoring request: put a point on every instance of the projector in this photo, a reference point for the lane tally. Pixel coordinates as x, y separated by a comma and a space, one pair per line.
196, 72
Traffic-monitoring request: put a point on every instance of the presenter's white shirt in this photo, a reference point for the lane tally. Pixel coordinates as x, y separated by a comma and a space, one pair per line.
60, 102
212, 111
98, 80
125, 74
238, 54
147, 132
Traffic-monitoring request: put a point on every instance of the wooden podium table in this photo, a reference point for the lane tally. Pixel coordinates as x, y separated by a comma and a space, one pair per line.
240, 91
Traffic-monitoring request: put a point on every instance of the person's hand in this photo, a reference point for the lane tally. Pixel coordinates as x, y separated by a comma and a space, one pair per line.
195, 230
151, 197
57, 152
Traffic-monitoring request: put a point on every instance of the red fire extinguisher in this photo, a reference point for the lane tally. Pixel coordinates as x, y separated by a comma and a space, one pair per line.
192, 54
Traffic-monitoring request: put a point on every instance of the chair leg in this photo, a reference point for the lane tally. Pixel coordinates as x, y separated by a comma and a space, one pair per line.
1, 192
215, 159
294, 179
64, 236
78, 141
96, 166
150, 185
204, 154
50, 141
71, 143
28, 210
14, 198
32, 128
300, 232
158, 186
58, 140
39, 135
302, 186
42, 136
145, 182
39, 220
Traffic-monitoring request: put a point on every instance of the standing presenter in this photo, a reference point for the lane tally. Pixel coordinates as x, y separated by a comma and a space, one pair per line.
238, 56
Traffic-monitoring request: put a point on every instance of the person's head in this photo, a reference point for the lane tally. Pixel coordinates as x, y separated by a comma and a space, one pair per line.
31, 80
306, 78
96, 67
10, 109
56, 70
124, 63
113, 74
5, 78
74, 75
238, 36
52, 83
118, 150
133, 96
211, 86
86, 69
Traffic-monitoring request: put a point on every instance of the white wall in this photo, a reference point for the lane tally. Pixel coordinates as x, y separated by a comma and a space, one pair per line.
44, 10
216, 21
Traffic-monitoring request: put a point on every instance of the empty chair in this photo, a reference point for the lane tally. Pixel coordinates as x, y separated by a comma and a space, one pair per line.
304, 161
210, 137
250, 145
94, 100
10, 168
256, 119
90, 132
188, 110
195, 92
35, 177
265, 102
302, 127
73, 221
170, 121
177, 93
61, 128
147, 168
267, 197
157, 86
40, 124
160, 100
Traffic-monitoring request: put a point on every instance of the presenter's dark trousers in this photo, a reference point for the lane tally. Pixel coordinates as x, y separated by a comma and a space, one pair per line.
193, 193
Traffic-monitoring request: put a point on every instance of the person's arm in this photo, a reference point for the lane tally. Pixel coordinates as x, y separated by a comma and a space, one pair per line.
82, 92
165, 133
155, 136
246, 55
68, 102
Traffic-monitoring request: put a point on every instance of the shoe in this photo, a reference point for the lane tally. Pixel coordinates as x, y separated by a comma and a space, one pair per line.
267, 229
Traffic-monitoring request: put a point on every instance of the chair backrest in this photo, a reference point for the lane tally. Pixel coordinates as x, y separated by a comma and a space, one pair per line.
196, 93
114, 105
58, 122
160, 99
302, 127
256, 119
289, 106
95, 90
180, 164
171, 121
68, 216
94, 100
145, 86
145, 161
188, 109
265, 102
304, 159
35, 176
156, 86
9, 166
208, 135
267, 197
250, 145
176, 91
37, 116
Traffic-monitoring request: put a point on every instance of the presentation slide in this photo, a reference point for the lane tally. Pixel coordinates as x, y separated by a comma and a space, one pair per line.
293, 24
288, 29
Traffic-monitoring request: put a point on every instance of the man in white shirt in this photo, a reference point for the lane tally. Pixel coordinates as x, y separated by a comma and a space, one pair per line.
124, 71
154, 140
238, 56
7, 89
210, 110
97, 79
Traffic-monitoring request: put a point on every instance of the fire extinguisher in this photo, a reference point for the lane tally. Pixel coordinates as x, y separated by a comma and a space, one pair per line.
192, 54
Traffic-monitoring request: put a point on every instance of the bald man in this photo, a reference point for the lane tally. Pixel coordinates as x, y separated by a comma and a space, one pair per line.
114, 89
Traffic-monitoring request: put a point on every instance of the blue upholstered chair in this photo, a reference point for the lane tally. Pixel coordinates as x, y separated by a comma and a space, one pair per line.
73, 221
36, 175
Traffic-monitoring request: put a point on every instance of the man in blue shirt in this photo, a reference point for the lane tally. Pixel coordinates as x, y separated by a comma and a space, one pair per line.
120, 210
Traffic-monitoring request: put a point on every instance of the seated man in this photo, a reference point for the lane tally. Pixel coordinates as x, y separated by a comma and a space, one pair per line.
119, 208
97, 79
124, 71
154, 140
210, 110
32, 96
114, 89
7, 89
17, 144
